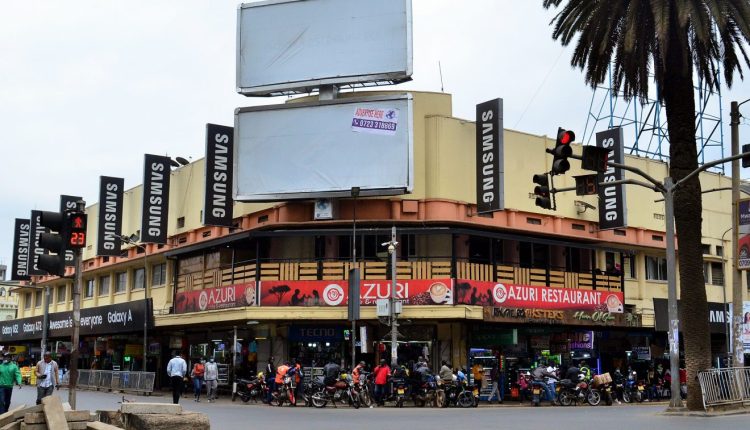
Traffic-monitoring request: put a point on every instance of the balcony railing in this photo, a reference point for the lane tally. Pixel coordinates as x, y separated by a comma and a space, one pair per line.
296, 270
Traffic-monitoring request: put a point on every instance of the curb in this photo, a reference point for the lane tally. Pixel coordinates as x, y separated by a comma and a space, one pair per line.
683, 412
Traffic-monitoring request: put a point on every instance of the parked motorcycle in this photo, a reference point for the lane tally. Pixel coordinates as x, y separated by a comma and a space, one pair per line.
284, 393
457, 394
364, 389
571, 393
428, 392
342, 391
537, 390
251, 389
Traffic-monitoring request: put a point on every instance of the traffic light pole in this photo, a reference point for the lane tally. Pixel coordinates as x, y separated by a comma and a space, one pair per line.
45, 327
74, 353
737, 309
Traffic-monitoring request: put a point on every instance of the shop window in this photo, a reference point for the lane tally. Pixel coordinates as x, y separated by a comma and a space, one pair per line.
27, 301
89, 292
62, 292
656, 268
159, 275
533, 255
121, 282
138, 278
104, 283
38, 299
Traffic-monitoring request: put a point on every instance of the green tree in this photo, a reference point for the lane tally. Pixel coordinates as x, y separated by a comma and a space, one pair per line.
673, 39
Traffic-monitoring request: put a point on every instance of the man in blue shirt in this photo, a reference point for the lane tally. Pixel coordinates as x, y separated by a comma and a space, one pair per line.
176, 369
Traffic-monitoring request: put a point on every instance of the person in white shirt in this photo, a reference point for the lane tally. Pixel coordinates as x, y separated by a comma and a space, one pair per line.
176, 369
46, 377
212, 379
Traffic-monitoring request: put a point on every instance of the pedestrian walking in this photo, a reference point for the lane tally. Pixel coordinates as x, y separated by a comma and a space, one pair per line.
212, 379
177, 369
270, 379
9, 375
199, 369
495, 380
46, 376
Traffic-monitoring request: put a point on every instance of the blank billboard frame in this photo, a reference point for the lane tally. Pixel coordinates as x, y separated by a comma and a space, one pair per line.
394, 175
288, 53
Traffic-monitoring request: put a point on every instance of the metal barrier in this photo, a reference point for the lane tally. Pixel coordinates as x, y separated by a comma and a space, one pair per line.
141, 382
730, 386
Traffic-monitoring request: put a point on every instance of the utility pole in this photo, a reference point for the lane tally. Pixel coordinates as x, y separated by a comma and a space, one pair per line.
77, 287
45, 320
739, 349
394, 315
674, 316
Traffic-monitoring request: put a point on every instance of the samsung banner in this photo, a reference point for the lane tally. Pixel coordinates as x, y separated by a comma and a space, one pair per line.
69, 203
489, 151
612, 212
110, 216
34, 249
120, 318
217, 203
21, 243
156, 173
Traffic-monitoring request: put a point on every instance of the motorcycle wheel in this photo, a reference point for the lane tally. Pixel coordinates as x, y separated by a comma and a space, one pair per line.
608, 399
565, 399
400, 402
354, 400
639, 397
365, 399
465, 399
626, 397
318, 401
244, 398
440, 400
594, 398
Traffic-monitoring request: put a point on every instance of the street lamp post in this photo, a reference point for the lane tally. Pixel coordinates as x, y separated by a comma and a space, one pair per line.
355, 194
392, 299
133, 240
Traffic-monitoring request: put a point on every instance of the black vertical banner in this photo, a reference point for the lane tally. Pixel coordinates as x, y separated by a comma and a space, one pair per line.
34, 249
21, 243
110, 216
217, 201
612, 212
155, 208
489, 149
69, 203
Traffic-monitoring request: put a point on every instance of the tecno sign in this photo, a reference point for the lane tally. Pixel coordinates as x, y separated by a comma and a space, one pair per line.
317, 332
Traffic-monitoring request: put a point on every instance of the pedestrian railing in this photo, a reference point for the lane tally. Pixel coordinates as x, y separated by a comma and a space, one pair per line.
110, 380
729, 386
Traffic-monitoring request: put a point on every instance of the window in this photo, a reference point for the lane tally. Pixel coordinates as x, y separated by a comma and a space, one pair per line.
121, 282
628, 269
104, 282
706, 248
138, 278
719, 250
181, 222
27, 300
717, 273
656, 268
89, 288
38, 299
62, 292
533, 255
159, 275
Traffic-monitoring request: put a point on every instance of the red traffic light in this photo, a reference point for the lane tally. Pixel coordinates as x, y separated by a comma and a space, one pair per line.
565, 137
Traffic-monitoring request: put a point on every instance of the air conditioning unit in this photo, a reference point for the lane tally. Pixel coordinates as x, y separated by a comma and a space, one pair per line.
324, 209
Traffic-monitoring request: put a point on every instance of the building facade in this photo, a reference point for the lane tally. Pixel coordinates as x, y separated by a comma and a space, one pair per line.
504, 289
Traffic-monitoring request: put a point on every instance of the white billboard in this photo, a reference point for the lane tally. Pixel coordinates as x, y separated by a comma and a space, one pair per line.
324, 148
288, 46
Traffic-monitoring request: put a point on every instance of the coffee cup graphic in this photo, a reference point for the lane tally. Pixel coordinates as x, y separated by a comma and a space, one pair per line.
614, 304
439, 292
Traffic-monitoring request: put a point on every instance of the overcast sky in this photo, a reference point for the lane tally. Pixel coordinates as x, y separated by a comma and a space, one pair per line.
88, 87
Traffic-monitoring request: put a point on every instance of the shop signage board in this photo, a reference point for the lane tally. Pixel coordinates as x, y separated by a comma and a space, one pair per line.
109, 226
641, 353
155, 208
230, 296
217, 201
487, 336
21, 243
34, 249
335, 293
560, 317
313, 333
719, 315
744, 234
482, 293
612, 213
119, 318
489, 155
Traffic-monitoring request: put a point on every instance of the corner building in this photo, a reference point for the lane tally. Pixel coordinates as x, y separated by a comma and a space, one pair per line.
503, 289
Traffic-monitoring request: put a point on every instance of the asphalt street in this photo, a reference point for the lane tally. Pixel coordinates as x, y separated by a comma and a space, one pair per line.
225, 414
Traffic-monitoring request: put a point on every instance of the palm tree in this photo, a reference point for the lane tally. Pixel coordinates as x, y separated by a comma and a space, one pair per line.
671, 39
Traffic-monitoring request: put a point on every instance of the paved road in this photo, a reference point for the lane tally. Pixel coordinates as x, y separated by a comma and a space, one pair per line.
227, 415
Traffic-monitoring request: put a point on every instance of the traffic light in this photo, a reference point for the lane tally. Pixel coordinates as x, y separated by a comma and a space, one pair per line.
562, 151
746, 159
542, 191
75, 230
595, 158
53, 242
587, 185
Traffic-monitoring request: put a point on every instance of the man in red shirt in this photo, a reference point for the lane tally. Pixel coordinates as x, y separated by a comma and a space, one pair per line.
382, 372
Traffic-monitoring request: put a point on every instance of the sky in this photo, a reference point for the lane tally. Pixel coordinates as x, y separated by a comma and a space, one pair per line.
88, 87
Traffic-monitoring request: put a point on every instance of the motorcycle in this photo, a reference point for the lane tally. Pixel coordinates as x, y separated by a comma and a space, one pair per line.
363, 388
537, 390
606, 391
428, 393
251, 389
284, 392
341, 391
572, 393
458, 394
